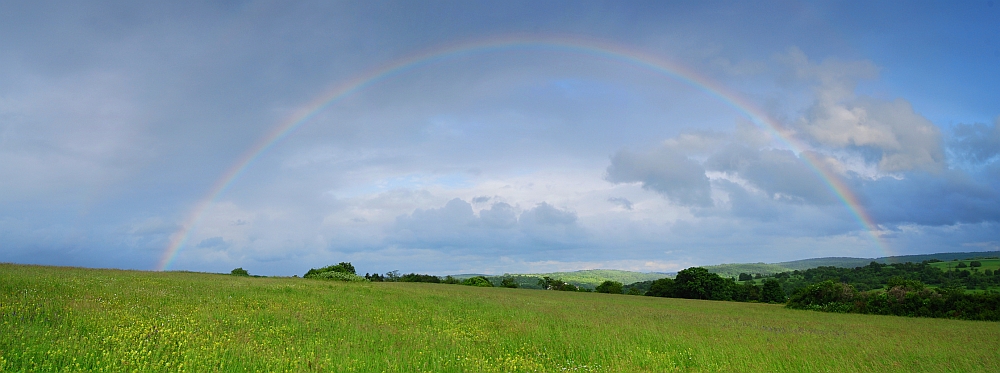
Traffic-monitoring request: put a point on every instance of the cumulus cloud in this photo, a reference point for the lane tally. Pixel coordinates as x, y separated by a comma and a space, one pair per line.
888, 133
664, 171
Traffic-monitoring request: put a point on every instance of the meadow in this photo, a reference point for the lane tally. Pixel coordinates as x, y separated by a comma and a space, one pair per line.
72, 319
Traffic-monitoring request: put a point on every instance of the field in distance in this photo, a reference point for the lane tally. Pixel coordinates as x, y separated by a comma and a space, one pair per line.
58, 319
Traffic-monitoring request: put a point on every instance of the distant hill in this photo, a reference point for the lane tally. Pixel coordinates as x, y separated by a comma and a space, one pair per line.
826, 262
939, 256
860, 262
734, 269
593, 277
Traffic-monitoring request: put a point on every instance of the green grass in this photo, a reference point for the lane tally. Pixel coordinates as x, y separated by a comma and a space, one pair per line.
68, 319
991, 264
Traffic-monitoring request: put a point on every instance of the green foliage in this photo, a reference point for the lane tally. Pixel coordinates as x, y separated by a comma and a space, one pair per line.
549, 283
771, 292
593, 277
414, 277
339, 276
975, 264
734, 269
663, 287
477, 281
509, 282
342, 267
451, 280
698, 283
963, 265
610, 287
239, 272
745, 277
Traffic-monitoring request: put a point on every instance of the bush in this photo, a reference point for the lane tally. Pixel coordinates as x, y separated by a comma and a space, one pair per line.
414, 277
975, 263
239, 272
451, 280
508, 282
962, 265
339, 276
825, 296
478, 281
610, 287
663, 287
342, 267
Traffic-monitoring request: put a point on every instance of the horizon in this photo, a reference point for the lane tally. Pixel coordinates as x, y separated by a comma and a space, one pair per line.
495, 138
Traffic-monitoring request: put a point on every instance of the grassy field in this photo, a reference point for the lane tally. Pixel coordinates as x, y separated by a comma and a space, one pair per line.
67, 319
991, 264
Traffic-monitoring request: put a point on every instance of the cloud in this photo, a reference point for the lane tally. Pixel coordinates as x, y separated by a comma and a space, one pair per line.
664, 171
214, 242
620, 201
888, 133
779, 173
976, 143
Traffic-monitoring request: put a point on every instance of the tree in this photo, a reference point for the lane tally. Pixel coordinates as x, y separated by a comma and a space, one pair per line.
478, 281
610, 287
962, 265
239, 272
745, 277
975, 263
663, 287
342, 267
549, 283
699, 283
508, 282
772, 293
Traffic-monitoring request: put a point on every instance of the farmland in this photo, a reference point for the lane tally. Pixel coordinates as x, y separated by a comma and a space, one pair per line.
70, 319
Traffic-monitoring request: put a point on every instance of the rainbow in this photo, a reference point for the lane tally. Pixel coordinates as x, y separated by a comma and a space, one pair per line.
585, 47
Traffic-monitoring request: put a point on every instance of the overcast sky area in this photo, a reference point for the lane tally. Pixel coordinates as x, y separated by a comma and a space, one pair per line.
527, 137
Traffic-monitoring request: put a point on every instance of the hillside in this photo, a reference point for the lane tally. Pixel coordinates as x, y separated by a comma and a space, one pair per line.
734, 269
843, 262
592, 277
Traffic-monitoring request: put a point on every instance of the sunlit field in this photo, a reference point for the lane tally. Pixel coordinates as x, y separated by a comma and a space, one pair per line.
68, 319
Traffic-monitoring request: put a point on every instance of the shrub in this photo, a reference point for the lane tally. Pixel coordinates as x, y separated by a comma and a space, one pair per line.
975, 263
772, 292
610, 287
962, 265
451, 280
339, 276
342, 267
663, 287
825, 296
478, 281
239, 272
414, 277
508, 282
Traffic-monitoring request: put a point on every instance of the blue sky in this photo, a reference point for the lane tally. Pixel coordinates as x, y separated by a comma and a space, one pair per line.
117, 119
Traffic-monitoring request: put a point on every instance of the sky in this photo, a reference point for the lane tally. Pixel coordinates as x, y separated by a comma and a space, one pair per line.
449, 137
